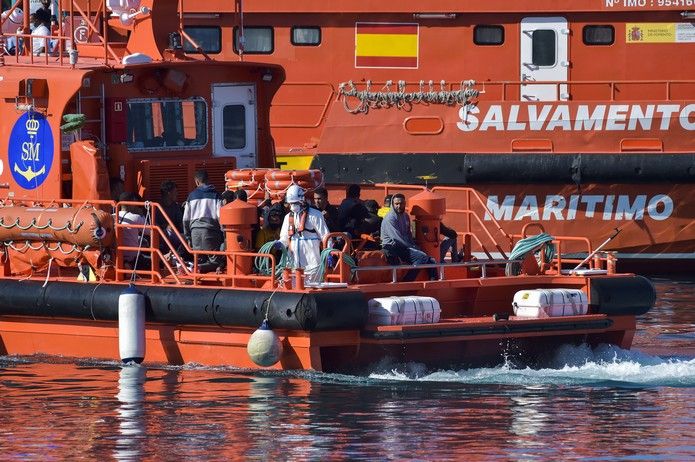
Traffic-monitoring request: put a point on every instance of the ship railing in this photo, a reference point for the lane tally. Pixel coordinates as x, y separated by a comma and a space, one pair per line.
63, 43
181, 272
163, 262
560, 264
440, 267
471, 218
471, 240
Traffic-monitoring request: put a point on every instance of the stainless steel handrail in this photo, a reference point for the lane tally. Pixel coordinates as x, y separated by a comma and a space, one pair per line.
439, 266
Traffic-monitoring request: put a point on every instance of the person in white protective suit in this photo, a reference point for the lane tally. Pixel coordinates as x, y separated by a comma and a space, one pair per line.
302, 231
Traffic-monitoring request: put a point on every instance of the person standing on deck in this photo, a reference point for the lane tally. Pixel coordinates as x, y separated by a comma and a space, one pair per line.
201, 221
302, 232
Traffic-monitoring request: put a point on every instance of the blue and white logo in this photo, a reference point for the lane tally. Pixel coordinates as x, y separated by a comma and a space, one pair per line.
30, 154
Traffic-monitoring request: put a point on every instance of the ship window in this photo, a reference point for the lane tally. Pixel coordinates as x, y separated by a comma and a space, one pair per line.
598, 35
234, 126
488, 35
208, 38
258, 40
166, 124
306, 36
543, 52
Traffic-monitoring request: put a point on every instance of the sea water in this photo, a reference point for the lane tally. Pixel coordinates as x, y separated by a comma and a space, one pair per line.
584, 404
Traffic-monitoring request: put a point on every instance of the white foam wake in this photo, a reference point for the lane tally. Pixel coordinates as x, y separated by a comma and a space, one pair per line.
572, 365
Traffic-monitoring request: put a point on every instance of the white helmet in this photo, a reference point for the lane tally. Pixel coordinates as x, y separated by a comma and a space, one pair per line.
295, 193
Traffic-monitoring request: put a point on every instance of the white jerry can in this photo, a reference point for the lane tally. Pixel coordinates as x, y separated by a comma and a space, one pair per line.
550, 303
393, 311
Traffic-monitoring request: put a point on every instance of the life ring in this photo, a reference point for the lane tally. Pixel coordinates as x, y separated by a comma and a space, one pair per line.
233, 185
295, 175
246, 174
284, 184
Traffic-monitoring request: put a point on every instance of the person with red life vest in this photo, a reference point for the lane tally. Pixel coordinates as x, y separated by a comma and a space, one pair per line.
302, 232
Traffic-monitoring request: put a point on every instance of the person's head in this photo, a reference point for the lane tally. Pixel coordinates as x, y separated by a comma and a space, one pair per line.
321, 198
398, 203
40, 17
131, 197
168, 191
242, 196
227, 197
372, 206
387, 200
275, 214
117, 187
353, 191
295, 197
46, 3
200, 177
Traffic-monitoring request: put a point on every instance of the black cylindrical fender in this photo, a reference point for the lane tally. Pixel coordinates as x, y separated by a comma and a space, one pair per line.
308, 311
622, 295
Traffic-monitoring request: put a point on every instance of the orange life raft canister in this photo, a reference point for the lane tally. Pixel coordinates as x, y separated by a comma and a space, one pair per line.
82, 226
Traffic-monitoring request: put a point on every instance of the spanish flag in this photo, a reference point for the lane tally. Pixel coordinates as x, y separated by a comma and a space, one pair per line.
386, 45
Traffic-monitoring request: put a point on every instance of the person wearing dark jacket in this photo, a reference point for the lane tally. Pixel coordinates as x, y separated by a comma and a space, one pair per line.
174, 211
397, 240
201, 221
449, 243
328, 210
352, 212
371, 226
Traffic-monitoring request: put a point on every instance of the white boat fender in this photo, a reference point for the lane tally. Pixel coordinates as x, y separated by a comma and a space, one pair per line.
131, 325
264, 347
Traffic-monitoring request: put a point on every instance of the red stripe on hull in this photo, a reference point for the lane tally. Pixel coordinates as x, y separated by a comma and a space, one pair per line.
387, 29
386, 61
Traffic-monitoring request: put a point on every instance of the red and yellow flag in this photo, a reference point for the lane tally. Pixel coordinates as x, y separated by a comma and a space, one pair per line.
386, 45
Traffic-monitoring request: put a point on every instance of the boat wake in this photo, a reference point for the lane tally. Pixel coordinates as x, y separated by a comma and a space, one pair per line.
604, 366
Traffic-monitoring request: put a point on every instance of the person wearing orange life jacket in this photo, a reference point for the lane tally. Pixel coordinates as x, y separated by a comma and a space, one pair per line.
302, 232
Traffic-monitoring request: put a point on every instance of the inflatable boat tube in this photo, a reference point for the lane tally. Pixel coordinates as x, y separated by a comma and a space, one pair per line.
622, 295
314, 311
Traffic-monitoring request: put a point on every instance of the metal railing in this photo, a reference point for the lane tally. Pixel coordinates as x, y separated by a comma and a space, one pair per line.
440, 267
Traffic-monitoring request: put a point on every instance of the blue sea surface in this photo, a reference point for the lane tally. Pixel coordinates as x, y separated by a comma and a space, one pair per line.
586, 404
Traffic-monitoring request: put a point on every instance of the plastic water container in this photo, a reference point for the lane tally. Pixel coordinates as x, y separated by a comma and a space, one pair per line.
391, 311
550, 303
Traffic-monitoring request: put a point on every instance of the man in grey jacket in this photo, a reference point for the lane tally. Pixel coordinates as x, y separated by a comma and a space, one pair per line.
201, 221
397, 240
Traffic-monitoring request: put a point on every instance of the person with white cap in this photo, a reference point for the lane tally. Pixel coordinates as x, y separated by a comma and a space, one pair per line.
302, 231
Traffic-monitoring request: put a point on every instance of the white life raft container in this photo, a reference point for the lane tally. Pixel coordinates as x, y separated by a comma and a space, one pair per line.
550, 303
393, 311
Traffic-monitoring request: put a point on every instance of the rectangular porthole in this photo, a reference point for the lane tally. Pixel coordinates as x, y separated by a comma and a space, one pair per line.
488, 35
208, 38
306, 36
257, 40
598, 35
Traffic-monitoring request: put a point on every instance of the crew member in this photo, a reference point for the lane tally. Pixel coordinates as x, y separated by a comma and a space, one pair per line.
201, 221
302, 231
397, 239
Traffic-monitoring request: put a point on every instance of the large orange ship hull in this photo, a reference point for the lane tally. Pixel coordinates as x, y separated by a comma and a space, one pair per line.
320, 330
475, 342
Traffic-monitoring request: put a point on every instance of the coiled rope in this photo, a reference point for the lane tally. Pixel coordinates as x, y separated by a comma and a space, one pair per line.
263, 264
401, 98
530, 244
324, 261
